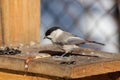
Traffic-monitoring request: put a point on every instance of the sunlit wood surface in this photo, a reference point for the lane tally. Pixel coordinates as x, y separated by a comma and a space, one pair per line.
20, 21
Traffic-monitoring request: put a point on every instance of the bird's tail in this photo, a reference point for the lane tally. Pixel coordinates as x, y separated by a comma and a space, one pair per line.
96, 42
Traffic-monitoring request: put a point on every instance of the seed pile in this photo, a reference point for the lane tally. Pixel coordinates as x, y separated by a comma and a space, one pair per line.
9, 51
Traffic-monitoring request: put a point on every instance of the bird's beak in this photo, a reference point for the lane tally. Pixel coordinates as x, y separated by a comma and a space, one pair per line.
44, 37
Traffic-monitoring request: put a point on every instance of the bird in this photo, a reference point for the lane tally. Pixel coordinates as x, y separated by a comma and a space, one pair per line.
66, 41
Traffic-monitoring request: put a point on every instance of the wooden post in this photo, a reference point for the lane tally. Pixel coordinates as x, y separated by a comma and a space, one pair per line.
1, 37
20, 21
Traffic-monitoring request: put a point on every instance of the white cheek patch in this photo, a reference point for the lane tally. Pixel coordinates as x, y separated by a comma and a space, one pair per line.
49, 36
56, 33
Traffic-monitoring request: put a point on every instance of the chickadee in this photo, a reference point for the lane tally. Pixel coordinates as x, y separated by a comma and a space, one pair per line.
65, 40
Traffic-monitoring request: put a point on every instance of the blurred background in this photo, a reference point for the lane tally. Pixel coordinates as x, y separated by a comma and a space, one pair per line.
90, 19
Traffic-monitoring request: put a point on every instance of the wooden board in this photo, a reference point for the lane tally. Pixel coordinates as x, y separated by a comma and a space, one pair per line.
20, 20
1, 29
18, 76
85, 65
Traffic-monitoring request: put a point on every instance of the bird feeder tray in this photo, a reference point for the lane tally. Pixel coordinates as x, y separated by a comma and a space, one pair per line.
81, 63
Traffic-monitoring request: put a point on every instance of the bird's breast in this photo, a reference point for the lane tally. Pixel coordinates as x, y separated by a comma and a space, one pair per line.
69, 48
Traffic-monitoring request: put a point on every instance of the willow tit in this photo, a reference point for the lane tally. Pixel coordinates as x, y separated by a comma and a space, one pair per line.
65, 40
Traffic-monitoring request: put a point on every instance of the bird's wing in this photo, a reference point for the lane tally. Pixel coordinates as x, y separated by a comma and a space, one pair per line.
75, 40
69, 39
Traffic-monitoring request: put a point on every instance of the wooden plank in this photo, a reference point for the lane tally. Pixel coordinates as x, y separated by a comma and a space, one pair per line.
84, 65
1, 35
0, 31
19, 76
97, 68
97, 77
12, 63
14, 75
49, 68
21, 21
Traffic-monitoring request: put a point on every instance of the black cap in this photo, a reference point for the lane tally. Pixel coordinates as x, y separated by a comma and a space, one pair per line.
49, 31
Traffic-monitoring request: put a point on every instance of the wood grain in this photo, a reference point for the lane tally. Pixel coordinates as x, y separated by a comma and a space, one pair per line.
10, 76
85, 66
1, 32
21, 21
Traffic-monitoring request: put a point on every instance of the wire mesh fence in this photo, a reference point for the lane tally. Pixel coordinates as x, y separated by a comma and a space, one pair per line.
90, 19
